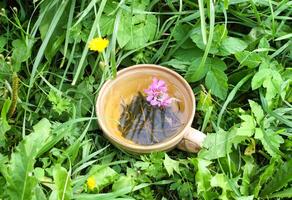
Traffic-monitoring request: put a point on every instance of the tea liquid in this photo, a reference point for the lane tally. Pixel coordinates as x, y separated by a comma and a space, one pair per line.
135, 120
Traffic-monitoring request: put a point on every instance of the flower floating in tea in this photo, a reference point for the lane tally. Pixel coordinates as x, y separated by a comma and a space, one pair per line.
157, 94
151, 119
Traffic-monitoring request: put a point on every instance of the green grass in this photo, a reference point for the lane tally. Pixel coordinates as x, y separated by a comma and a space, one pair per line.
236, 55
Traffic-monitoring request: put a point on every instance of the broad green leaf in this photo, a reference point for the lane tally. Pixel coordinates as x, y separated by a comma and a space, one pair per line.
180, 32
107, 25
188, 55
123, 182
249, 59
233, 45
257, 111
279, 180
39, 193
21, 180
171, 165
220, 33
62, 181
135, 31
20, 53
178, 65
103, 176
4, 126
194, 74
216, 82
219, 144
220, 180
247, 127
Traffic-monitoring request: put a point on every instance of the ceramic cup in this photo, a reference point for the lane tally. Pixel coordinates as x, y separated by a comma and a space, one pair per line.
188, 139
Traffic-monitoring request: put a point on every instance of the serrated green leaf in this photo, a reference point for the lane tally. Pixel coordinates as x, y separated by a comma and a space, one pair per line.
264, 177
257, 111
282, 194
62, 182
220, 180
259, 78
217, 145
247, 127
270, 140
279, 180
203, 176
171, 165
247, 176
205, 101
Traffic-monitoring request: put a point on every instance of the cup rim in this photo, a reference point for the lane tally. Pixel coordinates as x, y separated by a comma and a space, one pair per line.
136, 147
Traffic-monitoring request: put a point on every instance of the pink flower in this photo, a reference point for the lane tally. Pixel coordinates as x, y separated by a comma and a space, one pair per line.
157, 94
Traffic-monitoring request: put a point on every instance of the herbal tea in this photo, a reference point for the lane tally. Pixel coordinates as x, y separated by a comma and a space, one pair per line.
151, 110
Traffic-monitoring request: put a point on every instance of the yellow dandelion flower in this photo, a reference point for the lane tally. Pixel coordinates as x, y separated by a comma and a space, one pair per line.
91, 183
98, 44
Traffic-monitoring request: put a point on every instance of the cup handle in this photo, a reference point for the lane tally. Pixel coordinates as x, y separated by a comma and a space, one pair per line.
192, 140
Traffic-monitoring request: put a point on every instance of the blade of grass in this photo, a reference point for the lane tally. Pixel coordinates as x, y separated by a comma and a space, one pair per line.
91, 35
231, 96
41, 51
112, 48
69, 23
210, 38
203, 21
